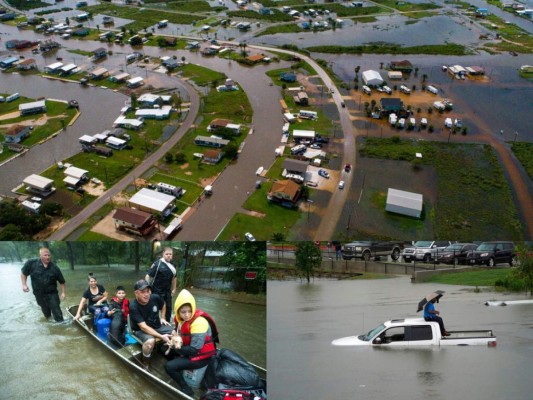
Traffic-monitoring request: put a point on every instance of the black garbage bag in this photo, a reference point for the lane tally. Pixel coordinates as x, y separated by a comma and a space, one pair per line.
229, 370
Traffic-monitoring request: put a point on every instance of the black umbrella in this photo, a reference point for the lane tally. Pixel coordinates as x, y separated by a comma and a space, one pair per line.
437, 294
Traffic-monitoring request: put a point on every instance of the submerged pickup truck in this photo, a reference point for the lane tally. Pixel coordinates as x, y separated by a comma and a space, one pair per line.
416, 332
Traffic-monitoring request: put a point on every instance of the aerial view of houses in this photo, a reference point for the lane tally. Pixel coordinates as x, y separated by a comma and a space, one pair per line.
239, 117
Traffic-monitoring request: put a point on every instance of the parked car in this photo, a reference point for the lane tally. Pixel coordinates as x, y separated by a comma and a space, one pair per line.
425, 250
316, 146
323, 173
492, 253
341, 185
367, 250
347, 167
249, 237
457, 253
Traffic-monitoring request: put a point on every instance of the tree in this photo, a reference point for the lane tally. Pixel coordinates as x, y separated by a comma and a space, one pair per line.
12, 232
180, 157
278, 236
169, 158
244, 257
136, 41
231, 151
304, 192
308, 258
52, 209
524, 267
133, 100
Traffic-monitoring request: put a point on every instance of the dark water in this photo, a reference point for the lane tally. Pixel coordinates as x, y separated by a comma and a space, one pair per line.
304, 319
45, 360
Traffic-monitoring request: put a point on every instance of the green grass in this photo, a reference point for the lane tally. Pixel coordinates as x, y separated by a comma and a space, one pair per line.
287, 28
524, 152
143, 18
406, 6
90, 236
202, 76
476, 277
388, 48
272, 218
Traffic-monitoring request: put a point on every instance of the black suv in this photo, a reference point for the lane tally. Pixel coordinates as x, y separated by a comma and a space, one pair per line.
367, 250
456, 253
492, 253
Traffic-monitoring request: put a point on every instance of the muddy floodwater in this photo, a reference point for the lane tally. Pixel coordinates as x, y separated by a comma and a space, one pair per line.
303, 319
46, 360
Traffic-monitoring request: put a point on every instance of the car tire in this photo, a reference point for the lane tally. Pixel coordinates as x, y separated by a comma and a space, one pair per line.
427, 258
491, 262
395, 255
366, 256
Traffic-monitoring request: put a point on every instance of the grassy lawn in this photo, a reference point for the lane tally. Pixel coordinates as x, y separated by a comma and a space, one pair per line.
524, 152
289, 28
271, 218
466, 213
202, 76
142, 17
476, 277
192, 189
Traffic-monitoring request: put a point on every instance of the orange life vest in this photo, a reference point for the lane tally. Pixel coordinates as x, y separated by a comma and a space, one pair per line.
209, 348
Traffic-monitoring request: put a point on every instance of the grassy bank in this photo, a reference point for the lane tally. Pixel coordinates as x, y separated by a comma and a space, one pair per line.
476, 277
524, 152
450, 49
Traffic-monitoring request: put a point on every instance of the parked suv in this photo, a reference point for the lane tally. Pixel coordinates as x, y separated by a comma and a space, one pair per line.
492, 253
425, 250
367, 250
457, 253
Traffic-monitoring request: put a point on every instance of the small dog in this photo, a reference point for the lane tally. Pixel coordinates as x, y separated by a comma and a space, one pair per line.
175, 343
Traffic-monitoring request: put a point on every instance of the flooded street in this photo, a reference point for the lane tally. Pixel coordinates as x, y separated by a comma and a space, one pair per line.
303, 320
45, 360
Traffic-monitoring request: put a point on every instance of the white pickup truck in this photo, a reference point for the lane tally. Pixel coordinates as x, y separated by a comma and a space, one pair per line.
416, 332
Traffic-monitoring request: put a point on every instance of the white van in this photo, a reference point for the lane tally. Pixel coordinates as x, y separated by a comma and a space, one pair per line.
405, 89
448, 123
367, 90
208, 190
162, 24
432, 89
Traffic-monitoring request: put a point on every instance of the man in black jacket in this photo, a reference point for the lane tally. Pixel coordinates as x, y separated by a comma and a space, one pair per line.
162, 275
44, 277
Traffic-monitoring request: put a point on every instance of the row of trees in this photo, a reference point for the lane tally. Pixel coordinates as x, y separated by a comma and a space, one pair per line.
239, 257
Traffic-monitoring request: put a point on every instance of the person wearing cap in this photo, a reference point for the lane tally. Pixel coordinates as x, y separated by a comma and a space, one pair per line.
162, 274
431, 314
147, 316
44, 275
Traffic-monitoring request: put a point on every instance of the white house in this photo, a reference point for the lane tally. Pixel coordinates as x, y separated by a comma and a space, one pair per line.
406, 203
372, 78
153, 201
39, 185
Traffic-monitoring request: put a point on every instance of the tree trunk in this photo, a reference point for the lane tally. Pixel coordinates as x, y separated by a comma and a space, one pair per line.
70, 254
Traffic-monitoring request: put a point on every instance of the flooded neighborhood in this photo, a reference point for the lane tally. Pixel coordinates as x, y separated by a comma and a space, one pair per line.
447, 80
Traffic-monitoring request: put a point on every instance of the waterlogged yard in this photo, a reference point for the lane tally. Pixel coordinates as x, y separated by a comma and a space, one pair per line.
469, 197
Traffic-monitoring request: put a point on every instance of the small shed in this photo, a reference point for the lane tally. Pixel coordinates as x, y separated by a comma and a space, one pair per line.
372, 78
405, 203
396, 75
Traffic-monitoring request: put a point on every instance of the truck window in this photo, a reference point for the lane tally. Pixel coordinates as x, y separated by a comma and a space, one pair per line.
395, 334
422, 332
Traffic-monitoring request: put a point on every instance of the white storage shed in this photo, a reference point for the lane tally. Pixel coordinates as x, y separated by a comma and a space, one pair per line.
372, 78
405, 203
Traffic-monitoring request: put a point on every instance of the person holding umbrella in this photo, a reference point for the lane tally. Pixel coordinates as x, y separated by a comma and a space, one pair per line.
431, 314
